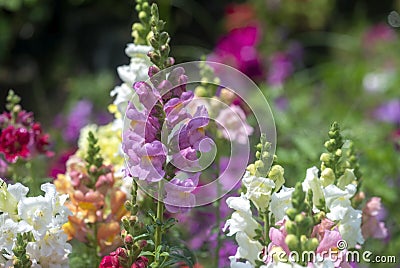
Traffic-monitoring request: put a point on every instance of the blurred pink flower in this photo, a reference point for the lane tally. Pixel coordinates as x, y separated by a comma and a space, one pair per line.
372, 226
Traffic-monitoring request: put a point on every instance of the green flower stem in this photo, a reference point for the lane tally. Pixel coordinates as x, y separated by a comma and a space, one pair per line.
266, 227
218, 220
159, 221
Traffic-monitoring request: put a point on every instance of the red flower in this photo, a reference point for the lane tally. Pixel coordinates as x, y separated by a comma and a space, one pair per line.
41, 140
110, 262
113, 260
14, 143
140, 262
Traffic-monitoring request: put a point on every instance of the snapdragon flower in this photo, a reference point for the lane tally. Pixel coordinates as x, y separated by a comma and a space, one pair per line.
148, 152
43, 216
129, 74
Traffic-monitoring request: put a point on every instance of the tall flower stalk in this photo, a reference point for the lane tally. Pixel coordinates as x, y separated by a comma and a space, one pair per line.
166, 164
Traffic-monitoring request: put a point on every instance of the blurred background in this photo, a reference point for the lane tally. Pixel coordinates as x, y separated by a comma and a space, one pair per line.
315, 61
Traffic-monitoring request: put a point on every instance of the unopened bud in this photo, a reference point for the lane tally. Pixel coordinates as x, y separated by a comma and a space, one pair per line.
325, 157
292, 241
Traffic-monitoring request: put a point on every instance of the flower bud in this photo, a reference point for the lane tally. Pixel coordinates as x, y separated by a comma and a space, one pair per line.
325, 157
327, 177
227, 95
291, 212
293, 242
311, 244
200, 91
142, 15
290, 227
128, 239
299, 219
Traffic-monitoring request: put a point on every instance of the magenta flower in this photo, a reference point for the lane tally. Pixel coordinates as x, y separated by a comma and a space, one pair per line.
379, 33
3, 168
179, 192
372, 226
239, 50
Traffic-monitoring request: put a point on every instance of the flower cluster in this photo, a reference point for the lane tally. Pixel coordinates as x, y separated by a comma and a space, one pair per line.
35, 222
20, 135
147, 155
109, 141
118, 257
96, 200
312, 217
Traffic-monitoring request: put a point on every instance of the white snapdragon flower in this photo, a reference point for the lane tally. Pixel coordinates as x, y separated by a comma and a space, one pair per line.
258, 190
240, 203
37, 212
10, 195
378, 81
314, 183
136, 71
338, 201
236, 264
241, 220
60, 212
9, 230
280, 202
347, 178
350, 227
44, 217
339, 204
248, 249
51, 251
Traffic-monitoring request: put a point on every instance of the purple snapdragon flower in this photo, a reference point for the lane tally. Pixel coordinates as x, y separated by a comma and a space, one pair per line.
389, 112
179, 192
163, 132
77, 119
281, 67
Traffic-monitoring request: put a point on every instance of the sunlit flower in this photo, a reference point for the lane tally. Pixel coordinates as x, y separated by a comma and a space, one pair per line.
232, 123
259, 190
280, 202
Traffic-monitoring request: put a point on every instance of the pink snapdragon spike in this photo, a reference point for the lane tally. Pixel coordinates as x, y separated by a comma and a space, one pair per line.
372, 226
